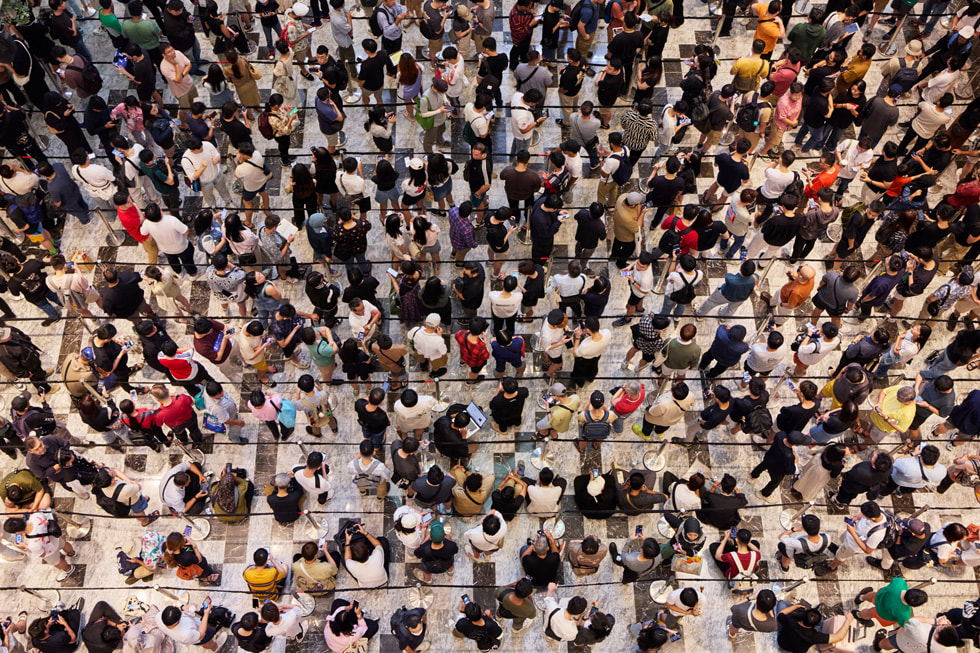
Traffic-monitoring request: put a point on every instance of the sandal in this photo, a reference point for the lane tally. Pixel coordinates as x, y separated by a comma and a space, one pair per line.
152, 517
210, 579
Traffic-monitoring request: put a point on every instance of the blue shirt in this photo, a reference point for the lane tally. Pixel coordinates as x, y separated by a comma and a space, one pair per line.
726, 351
737, 288
966, 416
511, 353
63, 190
880, 287
589, 15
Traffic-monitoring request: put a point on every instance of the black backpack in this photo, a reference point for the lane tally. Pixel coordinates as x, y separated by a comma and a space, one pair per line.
904, 77
575, 17
111, 505
891, 527
373, 23
758, 421
685, 294
623, 173
671, 238
809, 559
750, 114
91, 79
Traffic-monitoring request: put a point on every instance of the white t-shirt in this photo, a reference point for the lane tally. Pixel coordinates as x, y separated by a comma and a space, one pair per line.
816, 350
359, 322
350, 184
428, 345
521, 116
914, 638
223, 409
574, 164
761, 359
643, 280
252, 176
170, 494
418, 416
853, 160
413, 540
505, 306
456, 78
862, 528
185, 631
668, 125
371, 573
543, 501
674, 599
589, 348
191, 161
550, 336
776, 182
42, 547
939, 85
309, 483
675, 280
289, 624
569, 286
169, 234
560, 624
611, 164
480, 540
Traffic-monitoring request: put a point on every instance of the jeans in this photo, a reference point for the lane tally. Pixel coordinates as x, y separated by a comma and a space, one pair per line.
377, 438
45, 305
518, 144
833, 137
361, 263
736, 246
194, 54
931, 14
842, 184
715, 300
885, 363
817, 137
80, 47
593, 153
186, 257
268, 30
670, 306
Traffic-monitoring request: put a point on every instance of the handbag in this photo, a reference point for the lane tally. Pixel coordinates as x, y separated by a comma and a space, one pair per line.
212, 424
286, 412
686, 564
190, 572
934, 306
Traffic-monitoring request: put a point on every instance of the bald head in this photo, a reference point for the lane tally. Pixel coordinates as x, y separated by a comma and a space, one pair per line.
806, 272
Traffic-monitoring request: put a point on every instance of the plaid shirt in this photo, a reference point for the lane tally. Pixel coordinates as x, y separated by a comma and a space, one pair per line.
460, 231
520, 24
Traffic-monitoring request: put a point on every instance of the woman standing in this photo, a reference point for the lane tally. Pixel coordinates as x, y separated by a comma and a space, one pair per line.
409, 82
819, 471
425, 242
282, 121
379, 125
326, 176
217, 86
265, 294
395, 238
356, 364
302, 187
283, 76
60, 119
905, 348
385, 178
278, 414
848, 110
241, 240
160, 125
166, 288
414, 186
440, 172
267, 10
243, 75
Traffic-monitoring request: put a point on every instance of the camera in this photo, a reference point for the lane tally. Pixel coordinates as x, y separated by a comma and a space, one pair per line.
351, 528
800, 337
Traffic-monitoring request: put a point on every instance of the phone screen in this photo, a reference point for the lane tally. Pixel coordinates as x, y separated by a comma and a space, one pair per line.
427, 517
187, 531
19, 538
625, 273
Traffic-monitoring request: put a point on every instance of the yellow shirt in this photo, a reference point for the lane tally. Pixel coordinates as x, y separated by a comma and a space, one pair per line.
893, 409
748, 67
263, 582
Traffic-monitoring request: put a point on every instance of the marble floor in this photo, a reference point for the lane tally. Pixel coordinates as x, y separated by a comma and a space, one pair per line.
230, 546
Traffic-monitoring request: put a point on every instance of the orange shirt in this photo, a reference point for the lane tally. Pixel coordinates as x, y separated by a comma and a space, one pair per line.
768, 29
824, 180
795, 292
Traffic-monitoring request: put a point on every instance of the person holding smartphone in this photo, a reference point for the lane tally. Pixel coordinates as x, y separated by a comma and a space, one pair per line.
183, 626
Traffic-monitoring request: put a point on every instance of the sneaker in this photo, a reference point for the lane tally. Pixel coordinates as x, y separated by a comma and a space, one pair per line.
639, 431
867, 623
622, 321
857, 598
63, 576
822, 570
627, 367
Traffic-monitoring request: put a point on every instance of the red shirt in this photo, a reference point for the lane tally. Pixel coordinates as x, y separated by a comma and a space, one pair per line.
179, 411
825, 179
689, 241
181, 366
520, 24
897, 185
749, 562
625, 405
130, 219
204, 345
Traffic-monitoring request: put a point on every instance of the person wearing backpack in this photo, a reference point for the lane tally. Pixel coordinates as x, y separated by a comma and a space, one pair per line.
737, 557
779, 461
594, 423
870, 529
77, 73
409, 628
584, 20
521, 22
389, 17
720, 112
41, 536
726, 349
902, 71
732, 293
804, 545
616, 170
431, 110
121, 496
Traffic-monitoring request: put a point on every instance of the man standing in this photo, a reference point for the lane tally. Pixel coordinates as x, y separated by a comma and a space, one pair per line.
176, 69
627, 221
390, 16
563, 618
143, 33
569, 85
432, 115
735, 289
202, 164
178, 25
616, 170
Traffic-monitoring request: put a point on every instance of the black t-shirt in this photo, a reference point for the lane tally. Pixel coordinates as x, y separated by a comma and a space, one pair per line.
437, 560
714, 415
795, 418
927, 234
816, 76
237, 132
781, 228
624, 46
496, 235
123, 299
506, 507
794, 638
909, 545
534, 286
608, 89
105, 356
857, 229
472, 289
262, 6
29, 282
486, 633
372, 71
144, 72
588, 231
934, 158
662, 191
708, 238
374, 421
541, 570
504, 409
493, 65
882, 170
815, 114
286, 509
60, 27
731, 173
257, 641
366, 291
570, 79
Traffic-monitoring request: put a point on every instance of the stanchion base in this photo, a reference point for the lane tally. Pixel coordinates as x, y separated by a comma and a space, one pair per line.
440, 407
541, 458
79, 532
786, 519
116, 237
202, 528
420, 597
306, 603
556, 526
654, 462
665, 529
351, 98
524, 236
659, 589
342, 136
8, 554
318, 533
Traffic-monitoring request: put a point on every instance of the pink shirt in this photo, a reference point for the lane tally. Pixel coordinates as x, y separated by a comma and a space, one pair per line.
787, 109
267, 412
339, 643
169, 71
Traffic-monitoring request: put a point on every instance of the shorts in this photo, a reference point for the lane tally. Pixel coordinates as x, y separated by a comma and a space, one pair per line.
647, 358
776, 135
54, 557
260, 365
634, 300
543, 424
442, 192
301, 56
414, 6
833, 312
752, 372
557, 360
140, 505
333, 140
712, 138
391, 195
412, 200
430, 249
249, 195
185, 100
477, 201
209, 634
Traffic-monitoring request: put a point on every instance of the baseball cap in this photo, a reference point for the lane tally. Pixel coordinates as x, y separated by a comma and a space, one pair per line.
916, 526
432, 320
557, 389
437, 532
440, 85
416, 163
635, 199
967, 32
300, 9
555, 317
409, 520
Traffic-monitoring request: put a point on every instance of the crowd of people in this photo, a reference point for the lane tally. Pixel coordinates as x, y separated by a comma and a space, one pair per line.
806, 165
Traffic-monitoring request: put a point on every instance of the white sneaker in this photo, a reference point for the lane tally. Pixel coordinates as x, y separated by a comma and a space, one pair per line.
63, 576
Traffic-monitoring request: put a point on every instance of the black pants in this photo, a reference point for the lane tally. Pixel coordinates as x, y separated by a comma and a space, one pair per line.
716, 370
186, 257
172, 200
279, 431
621, 252
574, 303
190, 427
192, 384
801, 249
584, 371
10, 442
303, 206
775, 478
283, 143
389, 46
515, 206
541, 253
504, 323
910, 135
518, 53
848, 491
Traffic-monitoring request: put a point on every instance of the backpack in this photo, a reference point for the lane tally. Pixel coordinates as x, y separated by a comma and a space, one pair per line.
111, 505
575, 17
427, 32
848, 212
685, 294
758, 421
91, 79
625, 169
558, 181
809, 559
970, 478
905, 77
367, 480
596, 430
397, 619
373, 23
671, 238
265, 127
607, 10
891, 530
795, 187
750, 114
425, 123
745, 580
469, 134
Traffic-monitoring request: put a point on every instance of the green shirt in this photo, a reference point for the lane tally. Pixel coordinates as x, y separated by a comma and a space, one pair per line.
144, 33
111, 23
889, 604
506, 597
25, 480
158, 176
322, 354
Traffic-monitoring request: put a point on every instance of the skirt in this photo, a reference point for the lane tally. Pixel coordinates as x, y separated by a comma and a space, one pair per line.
812, 480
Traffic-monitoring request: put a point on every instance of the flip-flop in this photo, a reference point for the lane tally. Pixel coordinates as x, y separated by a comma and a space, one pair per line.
155, 515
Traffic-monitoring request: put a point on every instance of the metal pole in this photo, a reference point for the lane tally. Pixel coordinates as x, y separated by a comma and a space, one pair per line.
919, 512
197, 457
889, 47
39, 595
658, 289
925, 583
441, 406
182, 598
76, 529
721, 21
306, 452
765, 272
789, 588
315, 530
115, 237
788, 517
